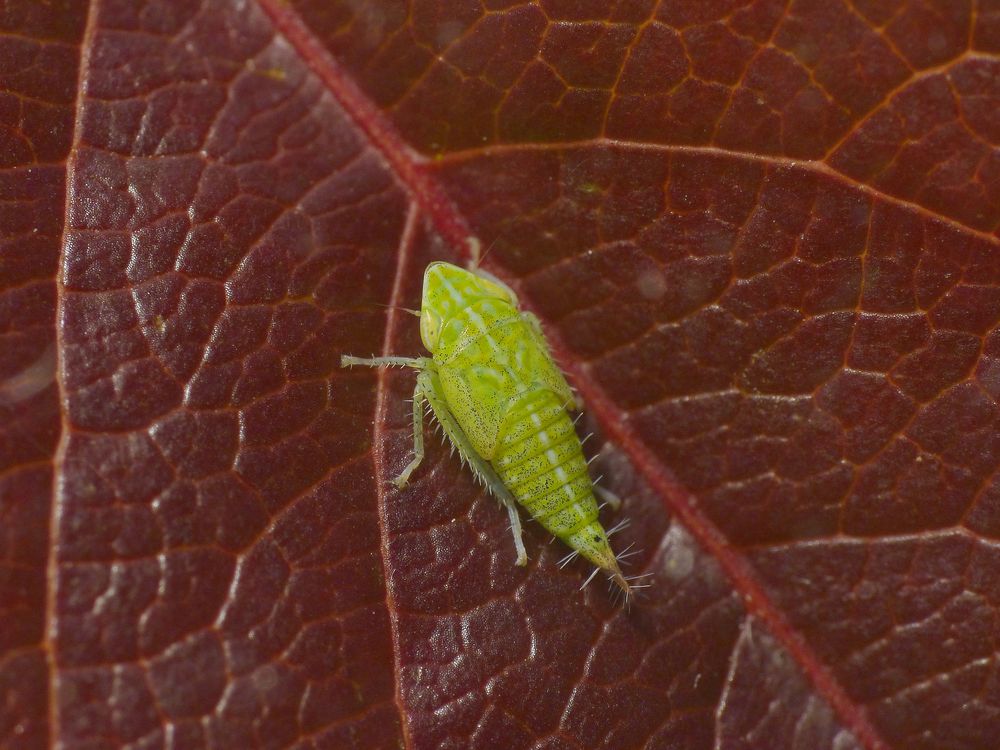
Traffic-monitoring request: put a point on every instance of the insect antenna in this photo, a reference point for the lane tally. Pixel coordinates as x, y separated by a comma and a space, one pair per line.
476, 251
397, 307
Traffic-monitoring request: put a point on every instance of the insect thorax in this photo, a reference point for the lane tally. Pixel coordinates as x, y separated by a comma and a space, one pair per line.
485, 357
485, 350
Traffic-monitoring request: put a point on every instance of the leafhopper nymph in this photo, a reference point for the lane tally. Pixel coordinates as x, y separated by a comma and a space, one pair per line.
503, 403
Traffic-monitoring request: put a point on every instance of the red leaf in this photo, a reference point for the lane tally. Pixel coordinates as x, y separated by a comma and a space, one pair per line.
763, 239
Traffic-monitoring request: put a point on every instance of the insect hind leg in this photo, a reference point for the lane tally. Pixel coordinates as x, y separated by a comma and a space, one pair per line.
608, 497
430, 384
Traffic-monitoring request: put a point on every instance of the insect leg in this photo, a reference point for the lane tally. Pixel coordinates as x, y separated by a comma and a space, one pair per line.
430, 384
609, 497
515, 528
418, 437
417, 362
475, 252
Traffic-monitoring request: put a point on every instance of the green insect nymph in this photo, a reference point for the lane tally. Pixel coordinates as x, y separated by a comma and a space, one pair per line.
492, 384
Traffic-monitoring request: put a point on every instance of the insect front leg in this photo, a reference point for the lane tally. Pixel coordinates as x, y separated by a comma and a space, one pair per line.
429, 382
418, 363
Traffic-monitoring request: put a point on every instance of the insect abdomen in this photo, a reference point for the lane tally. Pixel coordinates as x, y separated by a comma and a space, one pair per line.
540, 460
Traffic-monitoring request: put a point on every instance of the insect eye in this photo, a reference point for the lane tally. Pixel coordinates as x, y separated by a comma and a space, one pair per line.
495, 288
430, 328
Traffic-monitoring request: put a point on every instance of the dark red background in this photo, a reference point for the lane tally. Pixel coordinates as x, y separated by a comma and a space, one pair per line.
763, 237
